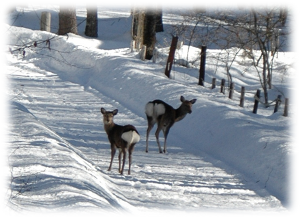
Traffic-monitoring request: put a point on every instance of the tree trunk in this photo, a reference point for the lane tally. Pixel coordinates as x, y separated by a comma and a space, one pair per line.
138, 17
135, 23
265, 81
264, 52
149, 33
91, 28
67, 21
159, 24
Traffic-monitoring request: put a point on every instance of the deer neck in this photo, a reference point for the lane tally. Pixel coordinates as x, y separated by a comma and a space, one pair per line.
179, 114
109, 126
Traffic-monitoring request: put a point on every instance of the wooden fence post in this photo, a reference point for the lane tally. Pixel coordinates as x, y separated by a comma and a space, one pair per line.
278, 101
171, 56
231, 90
202, 66
213, 83
222, 90
256, 101
242, 96
45, 23
286, 107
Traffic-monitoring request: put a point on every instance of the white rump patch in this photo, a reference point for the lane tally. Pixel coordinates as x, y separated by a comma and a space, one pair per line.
159, 109
154, 110
149, 109
131, 137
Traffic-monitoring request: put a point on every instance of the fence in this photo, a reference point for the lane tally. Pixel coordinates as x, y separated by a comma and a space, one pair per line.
276, 103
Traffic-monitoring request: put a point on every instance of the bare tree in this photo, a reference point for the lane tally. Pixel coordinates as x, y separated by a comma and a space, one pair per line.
67, 21
266, 31
260, 34
283, 12
91, 28
263, 31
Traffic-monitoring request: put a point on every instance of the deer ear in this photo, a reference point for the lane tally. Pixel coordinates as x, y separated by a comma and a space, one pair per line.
193, 101
103, 111
182, 99
115, 111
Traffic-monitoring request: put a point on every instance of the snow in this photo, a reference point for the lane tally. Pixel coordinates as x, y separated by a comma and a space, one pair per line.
221, 158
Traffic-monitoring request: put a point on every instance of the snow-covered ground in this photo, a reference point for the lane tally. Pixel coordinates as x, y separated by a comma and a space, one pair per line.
220, 158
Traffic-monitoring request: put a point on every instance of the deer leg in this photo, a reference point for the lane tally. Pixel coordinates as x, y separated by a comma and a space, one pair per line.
150, 126
157, 137
166, 132
124, 158
120, 155
113, 151
130, 158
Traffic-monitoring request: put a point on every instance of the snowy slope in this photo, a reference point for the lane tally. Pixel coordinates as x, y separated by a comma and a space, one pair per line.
219, 157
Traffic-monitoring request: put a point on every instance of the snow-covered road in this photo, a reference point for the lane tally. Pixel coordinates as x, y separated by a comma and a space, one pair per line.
63, 118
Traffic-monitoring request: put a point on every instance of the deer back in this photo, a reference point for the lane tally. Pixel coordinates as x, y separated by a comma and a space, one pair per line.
122, 135
159, 111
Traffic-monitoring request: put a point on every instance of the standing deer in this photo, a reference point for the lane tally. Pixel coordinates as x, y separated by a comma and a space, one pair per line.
165, 116
122, 137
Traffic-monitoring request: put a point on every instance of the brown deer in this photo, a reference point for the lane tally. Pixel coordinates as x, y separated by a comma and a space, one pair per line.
165, 116
122, 137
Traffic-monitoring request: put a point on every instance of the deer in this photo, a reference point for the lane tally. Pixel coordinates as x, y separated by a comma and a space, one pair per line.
164, 115
122, 137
